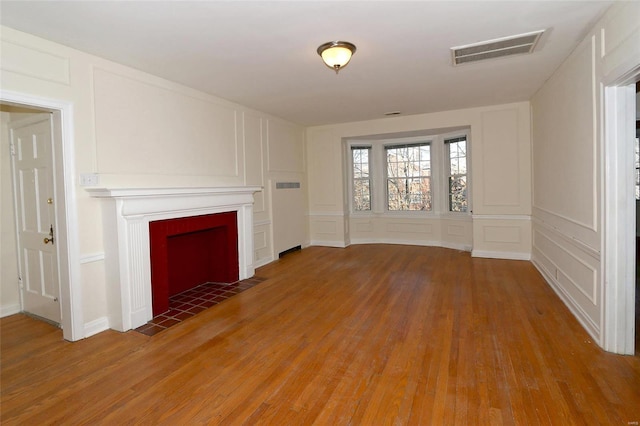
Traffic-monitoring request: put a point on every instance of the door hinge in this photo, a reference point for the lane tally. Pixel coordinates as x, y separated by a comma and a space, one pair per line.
12, 148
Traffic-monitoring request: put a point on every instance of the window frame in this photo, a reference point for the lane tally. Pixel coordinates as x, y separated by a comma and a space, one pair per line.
386, 147
352, 178
439, 174
447, 140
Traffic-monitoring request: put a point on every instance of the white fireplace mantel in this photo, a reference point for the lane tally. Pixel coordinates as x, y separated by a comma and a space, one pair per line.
126, 216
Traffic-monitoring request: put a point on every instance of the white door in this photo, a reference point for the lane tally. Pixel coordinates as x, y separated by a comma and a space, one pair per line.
32, 166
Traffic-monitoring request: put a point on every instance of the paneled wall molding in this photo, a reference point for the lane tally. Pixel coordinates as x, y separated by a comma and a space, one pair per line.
91, 257
212, 144
334, 213
583, 318
575, 242
582, 234
572, 262
51, 67
593, 227
262, 222
500, 217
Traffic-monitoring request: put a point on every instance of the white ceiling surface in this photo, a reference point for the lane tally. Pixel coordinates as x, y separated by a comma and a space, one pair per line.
263, 54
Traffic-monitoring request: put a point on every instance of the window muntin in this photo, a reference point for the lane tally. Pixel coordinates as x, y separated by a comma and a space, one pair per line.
456, 150
360, 161
409, 177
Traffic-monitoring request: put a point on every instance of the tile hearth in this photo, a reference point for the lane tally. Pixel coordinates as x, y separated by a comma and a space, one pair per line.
193, 301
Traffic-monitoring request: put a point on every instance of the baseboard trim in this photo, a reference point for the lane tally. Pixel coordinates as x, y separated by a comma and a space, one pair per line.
592, 329
262, 262
423, 243
9, 309
337, 244
508, 255
91, 257
96, 326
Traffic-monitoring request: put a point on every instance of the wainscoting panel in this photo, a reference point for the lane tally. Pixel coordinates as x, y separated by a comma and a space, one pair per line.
504, 237
572, 271
327, 229
261, 238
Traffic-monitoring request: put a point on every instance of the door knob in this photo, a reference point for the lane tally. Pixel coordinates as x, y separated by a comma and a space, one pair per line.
48, 240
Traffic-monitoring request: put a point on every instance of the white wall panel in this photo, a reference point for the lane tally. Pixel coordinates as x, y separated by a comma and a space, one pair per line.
285, 147
142, 128
34, 62
564, 156
500, 159
572, 271
324, 171
502, 237
394, 227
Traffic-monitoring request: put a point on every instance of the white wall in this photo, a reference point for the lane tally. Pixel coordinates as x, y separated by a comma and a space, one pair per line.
500, 180
567, 164
137, 130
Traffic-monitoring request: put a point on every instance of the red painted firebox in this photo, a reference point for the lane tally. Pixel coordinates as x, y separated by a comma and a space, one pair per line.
189, 251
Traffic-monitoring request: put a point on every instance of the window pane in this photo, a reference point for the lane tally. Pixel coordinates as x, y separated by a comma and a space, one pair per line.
361, 178
361, 195
408, 177
457, 149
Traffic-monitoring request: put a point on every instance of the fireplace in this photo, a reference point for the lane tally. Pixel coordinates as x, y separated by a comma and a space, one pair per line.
128, 215
189, 251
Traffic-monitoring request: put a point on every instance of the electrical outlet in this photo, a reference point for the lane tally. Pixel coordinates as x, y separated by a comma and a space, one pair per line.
88, 179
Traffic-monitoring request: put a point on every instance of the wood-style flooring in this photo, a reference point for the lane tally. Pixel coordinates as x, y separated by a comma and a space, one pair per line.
368, 335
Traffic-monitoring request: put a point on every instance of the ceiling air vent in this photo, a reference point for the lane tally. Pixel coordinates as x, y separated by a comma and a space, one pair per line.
506, 46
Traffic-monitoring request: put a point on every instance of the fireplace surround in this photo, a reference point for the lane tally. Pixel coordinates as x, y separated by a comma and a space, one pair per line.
127, 213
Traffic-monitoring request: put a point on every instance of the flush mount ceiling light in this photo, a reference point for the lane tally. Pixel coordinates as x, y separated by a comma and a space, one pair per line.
336, 54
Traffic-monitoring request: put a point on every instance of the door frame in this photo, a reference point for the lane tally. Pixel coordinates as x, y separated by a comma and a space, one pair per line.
619, 209
67, 239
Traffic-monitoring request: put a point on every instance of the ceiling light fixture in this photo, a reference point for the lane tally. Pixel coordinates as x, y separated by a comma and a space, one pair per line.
336, 54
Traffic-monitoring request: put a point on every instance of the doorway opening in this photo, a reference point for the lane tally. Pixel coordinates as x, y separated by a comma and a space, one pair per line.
619, 205
62, 229
31, 142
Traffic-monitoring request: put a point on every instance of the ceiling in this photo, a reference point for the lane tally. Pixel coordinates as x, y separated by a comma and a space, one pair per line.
263, 54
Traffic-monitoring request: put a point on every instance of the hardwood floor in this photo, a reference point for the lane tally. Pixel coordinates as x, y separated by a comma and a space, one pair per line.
368, 335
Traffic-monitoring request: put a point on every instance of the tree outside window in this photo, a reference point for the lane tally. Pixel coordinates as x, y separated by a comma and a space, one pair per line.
361, 178
457, 153
409, 177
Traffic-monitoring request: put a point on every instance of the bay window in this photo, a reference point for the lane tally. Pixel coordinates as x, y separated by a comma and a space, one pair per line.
417, 175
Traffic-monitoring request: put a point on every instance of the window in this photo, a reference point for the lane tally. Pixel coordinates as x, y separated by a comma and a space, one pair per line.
411, 175
361, 178
408, 177
457, 155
